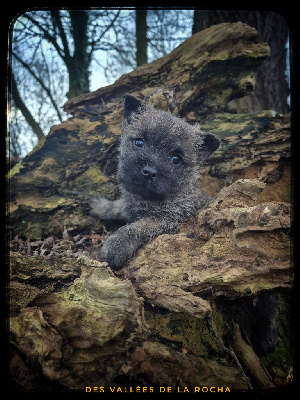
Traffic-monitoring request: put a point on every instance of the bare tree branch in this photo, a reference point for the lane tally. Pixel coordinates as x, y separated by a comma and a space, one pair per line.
47, 90
48, 37
57, 21
93, 43
22, 107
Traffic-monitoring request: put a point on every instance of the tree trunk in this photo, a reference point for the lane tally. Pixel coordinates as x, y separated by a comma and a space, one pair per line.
78, 64
141, 37
183, 313
200, 21
78, 76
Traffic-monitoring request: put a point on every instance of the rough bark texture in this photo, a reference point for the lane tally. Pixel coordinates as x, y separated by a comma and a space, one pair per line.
242, 243
174, 316
271, 88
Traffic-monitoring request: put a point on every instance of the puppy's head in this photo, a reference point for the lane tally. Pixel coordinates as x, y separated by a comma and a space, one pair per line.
160, 153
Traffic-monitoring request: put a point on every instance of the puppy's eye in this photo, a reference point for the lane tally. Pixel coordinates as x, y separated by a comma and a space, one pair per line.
176, 159
139, 142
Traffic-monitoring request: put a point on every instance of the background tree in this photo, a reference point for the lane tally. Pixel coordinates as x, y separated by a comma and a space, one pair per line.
163, 29
51, 57
141, 37
78, 63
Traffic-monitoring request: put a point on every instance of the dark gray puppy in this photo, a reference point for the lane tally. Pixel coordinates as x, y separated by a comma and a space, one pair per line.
158, 173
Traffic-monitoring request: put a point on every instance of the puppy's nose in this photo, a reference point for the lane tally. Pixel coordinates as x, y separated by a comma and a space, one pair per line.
149, 172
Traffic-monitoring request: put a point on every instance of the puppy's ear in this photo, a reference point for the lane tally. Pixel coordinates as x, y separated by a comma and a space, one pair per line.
132, 105
207, 144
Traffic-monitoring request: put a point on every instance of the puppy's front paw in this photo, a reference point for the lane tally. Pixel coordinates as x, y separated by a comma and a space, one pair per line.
117, 249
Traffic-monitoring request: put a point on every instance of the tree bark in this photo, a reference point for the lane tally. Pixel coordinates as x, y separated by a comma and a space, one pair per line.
271, 90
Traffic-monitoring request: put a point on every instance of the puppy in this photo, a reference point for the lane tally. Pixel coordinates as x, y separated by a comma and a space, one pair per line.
158, 173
